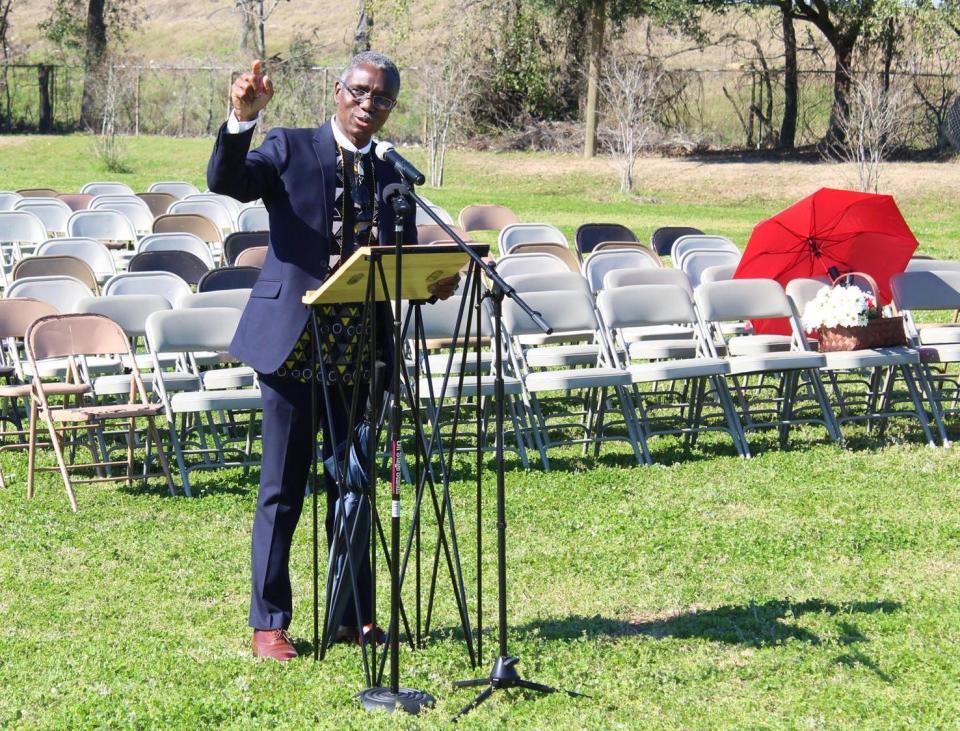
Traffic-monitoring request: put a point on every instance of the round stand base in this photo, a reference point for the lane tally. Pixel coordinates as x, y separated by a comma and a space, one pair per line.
407, 700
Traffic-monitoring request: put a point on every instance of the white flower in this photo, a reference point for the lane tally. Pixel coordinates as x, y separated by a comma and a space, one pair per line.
837, 306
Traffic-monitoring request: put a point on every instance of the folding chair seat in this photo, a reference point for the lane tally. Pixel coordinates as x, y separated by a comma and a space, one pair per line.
562, 347
872, 399
569, 310
106, 188
56, 265
177, 188
215, 367
182, 263
599, 263
517, 233
72, 336
486, 217
240, 240
685, 244
111, 228
746, 299
588, 235
92, 252
653, 305
189, 331
253, 218
166, 284
158, 203
179, 241
52, 211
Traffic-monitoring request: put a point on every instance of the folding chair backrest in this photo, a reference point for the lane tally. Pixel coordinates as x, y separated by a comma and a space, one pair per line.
516, 233
38, 192
18, 313
179, 241
76, 201
177, 188
803, 289
693, 263
428, 233
52, 211
641, 305
158, 203
212, 210
182, 263
190, 330
253, 218
232, 205
130, 206
513, 264
8, 199
62, 292
560, 251
22, 227
741, 299
235, 298
55, 265
100, 188
566, 311
553, 282
442, 213
588, 235
599, 263
440, 319
703, 242
192, 223
228, 278
130, 312
938, 290
627, 277
59, 336
932, 265
240, 240
486, 217
252, 257
165, 284
102, 226
663, 238
718, 272
96, 255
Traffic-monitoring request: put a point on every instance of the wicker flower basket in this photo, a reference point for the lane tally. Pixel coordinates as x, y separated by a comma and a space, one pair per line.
879, 332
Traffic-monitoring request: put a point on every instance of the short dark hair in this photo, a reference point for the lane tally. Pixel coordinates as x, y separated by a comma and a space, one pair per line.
377, 60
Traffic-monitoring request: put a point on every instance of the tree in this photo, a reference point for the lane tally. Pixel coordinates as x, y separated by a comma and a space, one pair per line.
253, 21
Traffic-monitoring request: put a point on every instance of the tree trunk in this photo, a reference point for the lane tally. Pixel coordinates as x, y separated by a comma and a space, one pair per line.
791, 85
842, 76
249, 31
598, 24
361, 36
46, 108
95, 52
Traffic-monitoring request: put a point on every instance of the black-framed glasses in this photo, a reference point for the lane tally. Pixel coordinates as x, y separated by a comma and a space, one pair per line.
383, 103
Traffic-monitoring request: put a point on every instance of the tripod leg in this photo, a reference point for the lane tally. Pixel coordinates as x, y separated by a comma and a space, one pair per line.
484, 694
475, 683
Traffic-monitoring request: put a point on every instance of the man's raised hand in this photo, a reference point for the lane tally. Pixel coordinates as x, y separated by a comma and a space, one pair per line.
251, 92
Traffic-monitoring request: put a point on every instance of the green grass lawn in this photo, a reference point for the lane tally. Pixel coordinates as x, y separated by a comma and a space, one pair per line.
809, 587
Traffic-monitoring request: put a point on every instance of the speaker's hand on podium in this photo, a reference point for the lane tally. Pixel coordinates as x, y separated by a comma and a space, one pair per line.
443, 288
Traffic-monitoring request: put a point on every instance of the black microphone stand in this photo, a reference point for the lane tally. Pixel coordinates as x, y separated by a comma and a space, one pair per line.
504, 673
379, 698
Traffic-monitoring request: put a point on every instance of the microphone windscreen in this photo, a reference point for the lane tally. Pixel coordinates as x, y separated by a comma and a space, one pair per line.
382, 149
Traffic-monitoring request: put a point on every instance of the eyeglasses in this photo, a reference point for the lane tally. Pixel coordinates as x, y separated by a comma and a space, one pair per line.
383, 103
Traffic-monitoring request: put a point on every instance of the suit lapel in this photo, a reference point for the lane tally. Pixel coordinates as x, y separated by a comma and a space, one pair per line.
326, 150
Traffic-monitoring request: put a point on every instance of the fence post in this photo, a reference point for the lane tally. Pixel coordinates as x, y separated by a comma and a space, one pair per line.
136, 109
46, 110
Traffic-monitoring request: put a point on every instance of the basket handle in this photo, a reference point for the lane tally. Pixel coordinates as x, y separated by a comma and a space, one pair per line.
875, 290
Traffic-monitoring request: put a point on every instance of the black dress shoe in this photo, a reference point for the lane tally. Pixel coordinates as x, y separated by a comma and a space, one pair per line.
372, 633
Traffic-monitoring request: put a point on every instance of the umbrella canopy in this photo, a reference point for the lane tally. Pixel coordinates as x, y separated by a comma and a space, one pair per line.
829, 233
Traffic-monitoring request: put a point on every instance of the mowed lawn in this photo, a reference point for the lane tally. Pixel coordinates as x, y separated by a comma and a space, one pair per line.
809, 587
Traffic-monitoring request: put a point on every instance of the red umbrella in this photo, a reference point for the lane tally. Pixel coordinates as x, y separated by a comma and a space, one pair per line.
829, 233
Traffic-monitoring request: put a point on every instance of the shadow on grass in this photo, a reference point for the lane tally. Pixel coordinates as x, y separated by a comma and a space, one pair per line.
756, 625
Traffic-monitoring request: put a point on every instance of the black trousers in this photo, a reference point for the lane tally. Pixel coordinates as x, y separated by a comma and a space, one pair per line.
288, 441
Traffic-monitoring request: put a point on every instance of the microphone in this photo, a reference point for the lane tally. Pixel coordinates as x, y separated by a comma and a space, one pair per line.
388, 153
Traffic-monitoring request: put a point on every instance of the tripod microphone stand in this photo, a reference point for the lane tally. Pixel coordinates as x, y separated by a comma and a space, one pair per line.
503, 674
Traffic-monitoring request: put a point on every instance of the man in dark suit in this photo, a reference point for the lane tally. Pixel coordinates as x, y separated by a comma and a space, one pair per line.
322, 188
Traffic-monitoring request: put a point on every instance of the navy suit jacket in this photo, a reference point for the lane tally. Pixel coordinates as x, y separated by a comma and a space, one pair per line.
294, 171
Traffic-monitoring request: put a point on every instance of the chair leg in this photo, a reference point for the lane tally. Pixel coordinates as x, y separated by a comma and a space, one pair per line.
58, 451
130, 440
178, 452
31, 447
162, 456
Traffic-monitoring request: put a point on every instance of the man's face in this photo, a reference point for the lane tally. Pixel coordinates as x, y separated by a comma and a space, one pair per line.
359, 121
